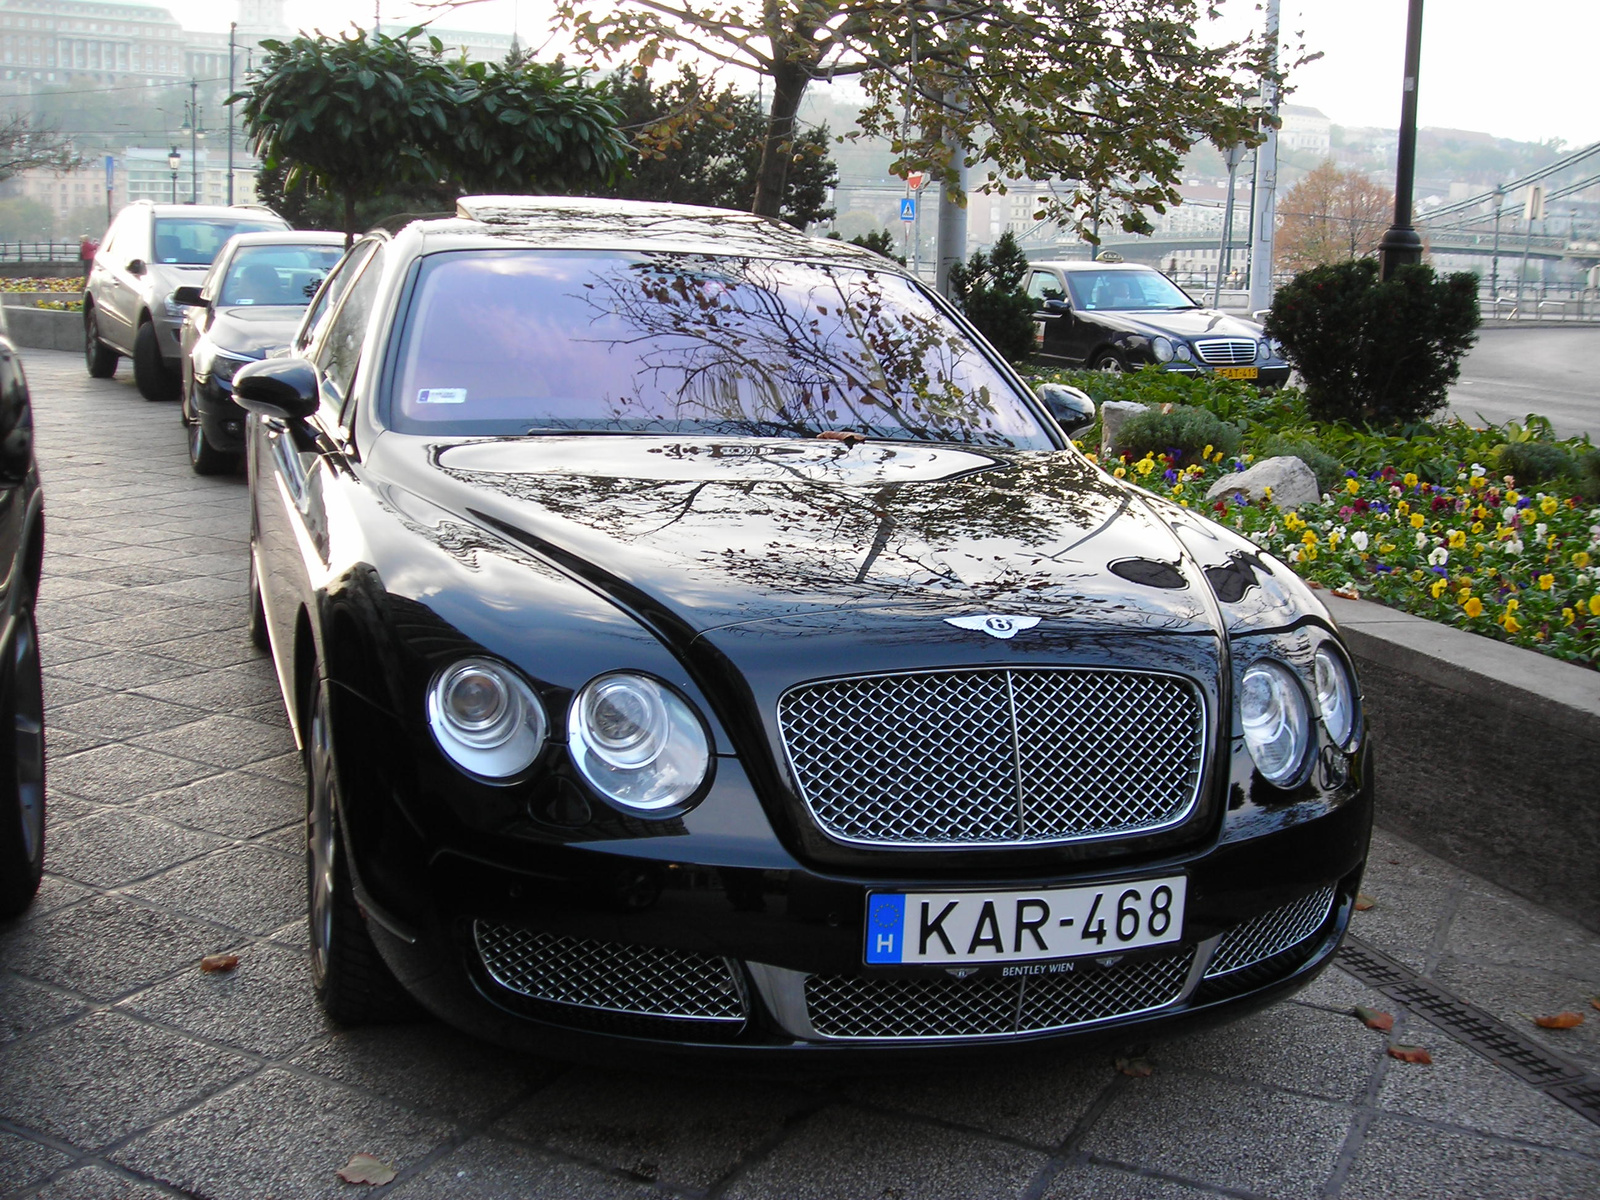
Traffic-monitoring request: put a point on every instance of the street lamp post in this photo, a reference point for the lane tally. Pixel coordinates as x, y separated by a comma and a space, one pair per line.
191, 126
1232, 155
232, 27
1494, 263
173, 159
1401, 244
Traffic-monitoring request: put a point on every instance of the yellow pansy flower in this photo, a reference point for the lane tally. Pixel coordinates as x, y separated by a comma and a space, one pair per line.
1410, 480
1546, 582
1386, 548
1121, 472
1568, 616
1352, 486
1513, 604
1512, 625
1457, 539
1580, 559
1549, 505
1594, 604
1477, 527
1309, 537
1176, 488
1416, 520
1438, 587
1473, 607
1206, 453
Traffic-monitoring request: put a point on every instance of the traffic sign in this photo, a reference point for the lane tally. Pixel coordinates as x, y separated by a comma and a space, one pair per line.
908, 209
111, 172
914, 181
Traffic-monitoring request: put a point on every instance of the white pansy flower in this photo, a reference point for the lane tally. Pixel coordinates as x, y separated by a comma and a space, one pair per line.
1422, 539
1512, 546
1509, 514
1294, 554
1358, 539
1438, 556
1541, 531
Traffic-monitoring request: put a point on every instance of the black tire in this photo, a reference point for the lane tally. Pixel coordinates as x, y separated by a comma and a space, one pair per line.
258, 611
1108, 361
205, 458
21, 771
352, 982
150, 369
100, 358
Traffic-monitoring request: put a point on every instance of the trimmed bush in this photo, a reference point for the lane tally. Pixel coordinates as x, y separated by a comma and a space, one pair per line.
1589, 473
1534, 462
989, 289
1370, 352
1328, 469
1181, 433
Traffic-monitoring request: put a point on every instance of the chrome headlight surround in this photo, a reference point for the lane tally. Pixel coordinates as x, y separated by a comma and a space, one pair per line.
486, 719
1162, 348
1276, 718
638, 743
1337, 704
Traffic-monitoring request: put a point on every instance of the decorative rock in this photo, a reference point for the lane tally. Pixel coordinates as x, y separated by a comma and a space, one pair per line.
1113, 415
1292, 482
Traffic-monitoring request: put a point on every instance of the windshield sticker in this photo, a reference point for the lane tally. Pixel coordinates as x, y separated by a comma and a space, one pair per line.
442, 396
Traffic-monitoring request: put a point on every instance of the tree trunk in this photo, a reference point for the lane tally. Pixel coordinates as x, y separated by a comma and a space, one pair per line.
788, 88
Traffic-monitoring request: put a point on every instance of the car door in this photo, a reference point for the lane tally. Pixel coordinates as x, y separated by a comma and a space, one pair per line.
1051, 315
291, 464
108, 284
197, 318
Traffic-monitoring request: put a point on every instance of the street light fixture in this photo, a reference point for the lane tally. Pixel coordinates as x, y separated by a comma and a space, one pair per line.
1401, 244
173, 159
1233, 155
196, 132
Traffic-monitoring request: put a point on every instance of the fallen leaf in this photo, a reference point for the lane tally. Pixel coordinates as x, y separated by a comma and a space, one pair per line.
1561, 1020
219, 962
363, 1168
1364, 902
1595, 1003
1410, 1054
848, 437
1139, 1068
1373, 1019
1347, 593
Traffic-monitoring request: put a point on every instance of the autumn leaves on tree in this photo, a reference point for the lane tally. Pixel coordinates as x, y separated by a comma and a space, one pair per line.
1331, 216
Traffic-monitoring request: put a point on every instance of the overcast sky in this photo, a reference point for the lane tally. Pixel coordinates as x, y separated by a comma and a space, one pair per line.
1522, 70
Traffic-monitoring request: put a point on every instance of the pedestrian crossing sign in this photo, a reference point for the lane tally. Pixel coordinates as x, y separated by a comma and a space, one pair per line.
908, 209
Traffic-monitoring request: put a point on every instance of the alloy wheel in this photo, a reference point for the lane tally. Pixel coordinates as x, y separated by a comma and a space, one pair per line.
28, 737
321, 838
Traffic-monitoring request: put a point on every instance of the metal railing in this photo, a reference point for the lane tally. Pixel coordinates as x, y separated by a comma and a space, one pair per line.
40, 252
1540, 302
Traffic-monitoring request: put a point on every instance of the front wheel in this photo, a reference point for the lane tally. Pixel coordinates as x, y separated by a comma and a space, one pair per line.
100, 358
150, 371
1110, 363
353, 984
205, 458
21, 771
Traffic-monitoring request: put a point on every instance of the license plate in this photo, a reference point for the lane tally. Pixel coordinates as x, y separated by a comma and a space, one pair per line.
1023, 926
1237, 372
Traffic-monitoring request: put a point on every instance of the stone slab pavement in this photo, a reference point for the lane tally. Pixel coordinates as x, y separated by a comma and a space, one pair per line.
175, 831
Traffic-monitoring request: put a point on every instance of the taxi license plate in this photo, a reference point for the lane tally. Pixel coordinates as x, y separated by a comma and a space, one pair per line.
950, 928
1238, 372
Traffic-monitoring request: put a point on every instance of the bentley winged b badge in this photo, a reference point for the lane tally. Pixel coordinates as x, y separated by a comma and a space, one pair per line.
994, 624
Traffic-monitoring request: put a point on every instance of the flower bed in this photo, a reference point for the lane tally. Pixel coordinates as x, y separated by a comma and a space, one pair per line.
37, 284
1417, 521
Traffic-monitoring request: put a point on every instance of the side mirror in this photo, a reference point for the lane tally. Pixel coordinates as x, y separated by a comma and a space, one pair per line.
1072, 409
136, 267
284, 389
1057, 306
189, 295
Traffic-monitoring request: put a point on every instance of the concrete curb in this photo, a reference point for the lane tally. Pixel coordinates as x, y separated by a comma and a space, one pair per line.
43, 328
1488, 755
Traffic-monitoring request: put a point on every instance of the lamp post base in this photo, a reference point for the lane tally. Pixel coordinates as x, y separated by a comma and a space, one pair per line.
1401, 246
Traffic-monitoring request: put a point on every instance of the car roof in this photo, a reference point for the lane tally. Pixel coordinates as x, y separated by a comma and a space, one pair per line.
582, 223
289, 237
1078, 264
239, 212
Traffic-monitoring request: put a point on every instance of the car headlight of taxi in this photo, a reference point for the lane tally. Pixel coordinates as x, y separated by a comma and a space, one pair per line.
637, 742
1181, 352
1162, 348
1276, 718
486, 718
1336, 696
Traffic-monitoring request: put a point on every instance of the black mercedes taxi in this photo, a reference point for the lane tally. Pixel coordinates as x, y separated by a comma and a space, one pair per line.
701, 640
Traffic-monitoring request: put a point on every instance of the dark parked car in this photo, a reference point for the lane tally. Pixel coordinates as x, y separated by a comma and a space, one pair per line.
699, 638
21, 691
149, 252
247, 307
1122, 316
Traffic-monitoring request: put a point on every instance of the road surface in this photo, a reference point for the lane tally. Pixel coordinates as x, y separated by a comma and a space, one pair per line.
1513, 372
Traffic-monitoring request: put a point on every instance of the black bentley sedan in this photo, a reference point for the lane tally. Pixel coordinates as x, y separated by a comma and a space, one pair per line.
699, 639
21, 688
1116, 316
246, 308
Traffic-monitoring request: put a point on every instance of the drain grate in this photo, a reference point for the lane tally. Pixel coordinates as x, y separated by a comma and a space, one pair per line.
1471, 1026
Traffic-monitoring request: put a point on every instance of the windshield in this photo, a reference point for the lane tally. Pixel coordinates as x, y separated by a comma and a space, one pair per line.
541, 341
1125, 290
279, 275
194, 241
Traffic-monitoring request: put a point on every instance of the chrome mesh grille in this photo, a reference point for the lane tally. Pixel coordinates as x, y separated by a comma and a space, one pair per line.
1271, 933
646, 981
853, 1006
994, 757
1226, 352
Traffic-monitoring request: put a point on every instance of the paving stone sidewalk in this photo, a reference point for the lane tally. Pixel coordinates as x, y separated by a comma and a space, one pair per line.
174, 831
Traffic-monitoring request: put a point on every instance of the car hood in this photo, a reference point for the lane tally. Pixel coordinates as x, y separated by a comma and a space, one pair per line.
1184, 323
696, 534
251, 332
165, 278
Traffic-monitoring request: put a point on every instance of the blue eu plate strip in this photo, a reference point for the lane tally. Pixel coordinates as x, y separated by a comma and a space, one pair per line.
886, 919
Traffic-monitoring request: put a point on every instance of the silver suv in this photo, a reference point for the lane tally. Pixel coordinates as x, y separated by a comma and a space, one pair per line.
149, 252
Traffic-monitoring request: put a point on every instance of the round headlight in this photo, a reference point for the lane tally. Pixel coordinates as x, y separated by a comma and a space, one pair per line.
486, 718
1162, 348
1263, 350
1277, 727
1182, 350
1336, 696
637, 742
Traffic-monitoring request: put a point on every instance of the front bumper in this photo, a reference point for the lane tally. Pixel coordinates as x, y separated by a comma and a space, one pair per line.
1272, 374
219, 414
578, 951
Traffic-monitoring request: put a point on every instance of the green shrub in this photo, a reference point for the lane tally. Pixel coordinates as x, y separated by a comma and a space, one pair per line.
1328, 470
1227, 398
989, 289
1372, 352
1183, 433
1588, 464
1534, 462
